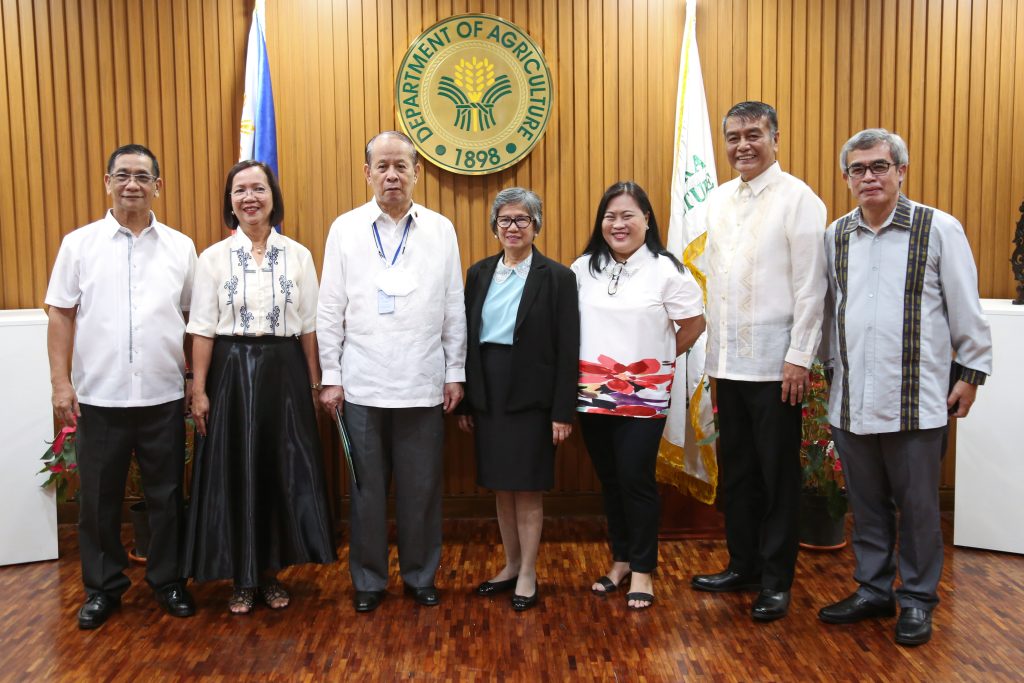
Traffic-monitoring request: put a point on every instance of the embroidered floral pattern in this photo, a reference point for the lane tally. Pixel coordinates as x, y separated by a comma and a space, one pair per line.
286, 288
274, 318
246, 317
232, 287
615, 388
272, 256
243, 259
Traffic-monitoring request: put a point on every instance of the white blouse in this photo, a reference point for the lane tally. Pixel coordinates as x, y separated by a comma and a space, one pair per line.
628, 339
232, 295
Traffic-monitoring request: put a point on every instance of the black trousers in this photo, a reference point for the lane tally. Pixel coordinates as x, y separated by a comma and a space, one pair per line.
624, 451
759, 466
106, 438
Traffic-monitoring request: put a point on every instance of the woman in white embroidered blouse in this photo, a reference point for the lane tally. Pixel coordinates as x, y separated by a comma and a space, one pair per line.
259, 495
639, 310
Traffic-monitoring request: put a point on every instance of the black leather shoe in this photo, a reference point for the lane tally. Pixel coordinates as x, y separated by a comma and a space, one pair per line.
427, 596
914, 626
96, 610
367, 601
726, 582
492, 587
521, 603
856, 608
175, 600
770, 605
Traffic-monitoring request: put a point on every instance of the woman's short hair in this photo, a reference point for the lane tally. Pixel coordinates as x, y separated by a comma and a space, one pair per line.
276, 212
866, 139
598, 249
528, 199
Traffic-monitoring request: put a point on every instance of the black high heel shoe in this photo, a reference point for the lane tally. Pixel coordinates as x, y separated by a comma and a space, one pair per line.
493, 587
521, 603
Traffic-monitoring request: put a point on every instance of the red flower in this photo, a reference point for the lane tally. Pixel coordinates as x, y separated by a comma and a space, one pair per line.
838, 467
57, 469
58, 443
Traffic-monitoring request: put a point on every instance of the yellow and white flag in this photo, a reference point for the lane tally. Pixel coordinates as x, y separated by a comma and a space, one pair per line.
693, 470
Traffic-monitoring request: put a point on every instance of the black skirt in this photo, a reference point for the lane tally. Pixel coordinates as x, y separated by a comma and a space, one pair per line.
259, 495
513, 450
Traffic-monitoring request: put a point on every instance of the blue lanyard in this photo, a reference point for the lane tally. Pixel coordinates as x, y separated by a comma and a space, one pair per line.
400, 249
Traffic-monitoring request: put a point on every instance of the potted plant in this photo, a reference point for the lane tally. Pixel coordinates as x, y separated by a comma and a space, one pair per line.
823, 498
60, 461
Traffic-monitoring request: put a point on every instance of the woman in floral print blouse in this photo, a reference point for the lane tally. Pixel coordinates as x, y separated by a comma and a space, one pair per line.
639, 310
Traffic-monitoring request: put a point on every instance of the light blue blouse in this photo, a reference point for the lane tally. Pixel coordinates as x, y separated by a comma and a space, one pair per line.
498, 317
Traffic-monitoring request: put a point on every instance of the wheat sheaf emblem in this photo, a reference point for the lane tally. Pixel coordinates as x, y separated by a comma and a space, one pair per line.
474, 90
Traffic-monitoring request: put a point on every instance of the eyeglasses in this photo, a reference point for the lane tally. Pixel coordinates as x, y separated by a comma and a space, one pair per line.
240, 192
613, 283
877, 168
521, 222
140, 178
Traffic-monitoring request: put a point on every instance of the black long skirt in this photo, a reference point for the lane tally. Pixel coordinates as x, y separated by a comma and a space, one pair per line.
513, 449
259, 495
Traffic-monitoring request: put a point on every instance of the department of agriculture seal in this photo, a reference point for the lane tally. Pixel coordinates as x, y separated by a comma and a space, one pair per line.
474, 93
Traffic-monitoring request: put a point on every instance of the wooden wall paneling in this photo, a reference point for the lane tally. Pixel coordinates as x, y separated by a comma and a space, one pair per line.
799, 98
784, 72
14, 271
1005, 209
961, 115
827, 148
813, 57
887, 84
848, 57
757, 39
932, 81
1016, 199
213, 170
46, 230
945, 68
990, 143
8, 236
915, 126
30, 239
872, 66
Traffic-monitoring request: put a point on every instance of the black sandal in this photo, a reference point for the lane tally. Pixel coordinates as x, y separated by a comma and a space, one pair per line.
609, 585
242, 600
272, 593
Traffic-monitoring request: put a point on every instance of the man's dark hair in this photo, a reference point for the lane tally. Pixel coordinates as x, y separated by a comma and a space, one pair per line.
754, 111
276, 212
133, 149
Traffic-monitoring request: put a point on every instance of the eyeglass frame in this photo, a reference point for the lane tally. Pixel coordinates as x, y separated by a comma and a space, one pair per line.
510, 220
613, 281
859, 170
243, 192
123, 178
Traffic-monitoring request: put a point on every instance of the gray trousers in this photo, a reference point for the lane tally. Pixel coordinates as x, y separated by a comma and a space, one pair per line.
405, 442
886, 474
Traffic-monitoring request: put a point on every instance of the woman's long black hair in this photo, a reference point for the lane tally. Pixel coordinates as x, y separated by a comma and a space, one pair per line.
598, 248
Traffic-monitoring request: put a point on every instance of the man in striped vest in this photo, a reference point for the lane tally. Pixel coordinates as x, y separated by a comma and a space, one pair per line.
909, 346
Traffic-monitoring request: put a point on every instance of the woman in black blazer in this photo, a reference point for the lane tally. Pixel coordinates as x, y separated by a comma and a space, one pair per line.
522, 367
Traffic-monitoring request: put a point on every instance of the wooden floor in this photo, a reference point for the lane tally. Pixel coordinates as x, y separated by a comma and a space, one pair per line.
572, 635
